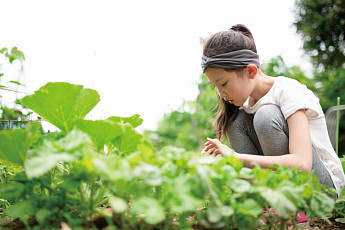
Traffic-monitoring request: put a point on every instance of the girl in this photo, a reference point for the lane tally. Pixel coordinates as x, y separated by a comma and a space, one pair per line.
267, 120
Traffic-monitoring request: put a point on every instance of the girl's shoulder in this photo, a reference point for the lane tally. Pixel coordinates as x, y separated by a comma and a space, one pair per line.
288, 81
291, 95
290, 86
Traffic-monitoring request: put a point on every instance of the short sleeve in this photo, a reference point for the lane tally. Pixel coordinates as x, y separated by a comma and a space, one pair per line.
296, 96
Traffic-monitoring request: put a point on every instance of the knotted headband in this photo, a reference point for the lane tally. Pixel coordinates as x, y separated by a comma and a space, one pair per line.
231, 60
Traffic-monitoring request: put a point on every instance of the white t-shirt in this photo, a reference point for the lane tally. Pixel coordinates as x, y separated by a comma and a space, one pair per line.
290, 96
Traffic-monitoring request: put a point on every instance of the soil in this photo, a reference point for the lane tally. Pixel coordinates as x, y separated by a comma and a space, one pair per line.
100, 223
319, 223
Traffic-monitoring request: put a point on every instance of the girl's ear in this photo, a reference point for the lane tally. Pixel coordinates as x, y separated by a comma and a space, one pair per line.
252, 70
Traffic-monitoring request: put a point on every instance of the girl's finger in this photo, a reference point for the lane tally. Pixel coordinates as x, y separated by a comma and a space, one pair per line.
215, 142
206, 150
210, 145
210, 151
207, 143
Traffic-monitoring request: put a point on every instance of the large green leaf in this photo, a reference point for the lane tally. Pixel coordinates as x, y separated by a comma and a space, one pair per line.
134, 120
128, 142
62, 103
278, 200
22, 209
101, 131
321, 204
37, 166
14, 144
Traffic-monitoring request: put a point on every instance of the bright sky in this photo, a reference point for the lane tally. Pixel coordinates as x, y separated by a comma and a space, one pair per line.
142, 56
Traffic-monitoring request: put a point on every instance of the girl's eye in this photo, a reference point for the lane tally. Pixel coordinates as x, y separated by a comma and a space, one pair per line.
224, 84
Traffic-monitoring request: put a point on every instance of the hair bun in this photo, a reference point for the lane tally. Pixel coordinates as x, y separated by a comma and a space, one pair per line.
242, 29
239, 27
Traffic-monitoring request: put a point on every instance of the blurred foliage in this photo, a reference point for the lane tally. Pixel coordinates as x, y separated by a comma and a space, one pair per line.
190, 125
332, 83
277, 67
322, 26
11, 118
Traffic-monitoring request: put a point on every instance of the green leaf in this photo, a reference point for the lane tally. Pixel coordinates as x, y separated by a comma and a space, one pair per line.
4, 50
37, 166
235, 162
134, 120
14, 144
150, 208
118, 204
43, 214
183, 197
128, 142
16, 82
250, 207
22, 209
16, 55
150, 173
101, 131
321, 204
62, 103
12, 191
227, 210
240, 186
214, 214
340, 220
73, 141
146, 149
284, 207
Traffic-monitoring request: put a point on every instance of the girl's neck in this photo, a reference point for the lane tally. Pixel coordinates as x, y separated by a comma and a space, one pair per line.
263, 84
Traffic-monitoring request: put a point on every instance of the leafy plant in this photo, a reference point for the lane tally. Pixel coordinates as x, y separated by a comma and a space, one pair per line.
73, 175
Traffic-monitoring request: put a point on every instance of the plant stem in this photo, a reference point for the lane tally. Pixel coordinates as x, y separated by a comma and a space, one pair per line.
105, 200
102, 213
91, 198
81, 194
337, 129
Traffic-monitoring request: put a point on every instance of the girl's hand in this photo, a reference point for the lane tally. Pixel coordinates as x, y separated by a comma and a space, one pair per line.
215, 147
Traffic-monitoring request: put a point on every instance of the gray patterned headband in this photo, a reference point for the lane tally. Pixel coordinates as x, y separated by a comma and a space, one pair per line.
231, 60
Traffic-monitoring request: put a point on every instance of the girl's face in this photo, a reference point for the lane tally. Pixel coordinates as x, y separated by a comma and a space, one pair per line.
233, 86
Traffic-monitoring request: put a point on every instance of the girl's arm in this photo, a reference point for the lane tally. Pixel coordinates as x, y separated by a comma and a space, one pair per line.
300, 147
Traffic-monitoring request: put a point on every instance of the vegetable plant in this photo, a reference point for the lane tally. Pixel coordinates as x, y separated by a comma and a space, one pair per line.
93, 169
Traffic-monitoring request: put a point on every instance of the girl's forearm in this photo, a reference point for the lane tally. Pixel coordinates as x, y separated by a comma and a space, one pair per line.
289, 160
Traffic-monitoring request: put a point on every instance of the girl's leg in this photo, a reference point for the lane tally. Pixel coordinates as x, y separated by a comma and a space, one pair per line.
241, 135
272, 130
273, 134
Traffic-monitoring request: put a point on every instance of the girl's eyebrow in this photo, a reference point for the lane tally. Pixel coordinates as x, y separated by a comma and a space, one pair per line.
220, 77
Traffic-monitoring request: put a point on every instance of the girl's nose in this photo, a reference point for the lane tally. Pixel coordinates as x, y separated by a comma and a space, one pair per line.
221, 94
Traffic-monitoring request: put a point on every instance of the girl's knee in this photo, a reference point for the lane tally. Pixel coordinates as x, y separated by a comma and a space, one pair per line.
239, 123
269, 118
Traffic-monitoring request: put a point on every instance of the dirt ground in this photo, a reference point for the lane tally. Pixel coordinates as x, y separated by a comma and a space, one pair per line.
319, 223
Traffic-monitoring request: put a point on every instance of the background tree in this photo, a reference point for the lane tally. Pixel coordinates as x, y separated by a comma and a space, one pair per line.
321, 23
322, 26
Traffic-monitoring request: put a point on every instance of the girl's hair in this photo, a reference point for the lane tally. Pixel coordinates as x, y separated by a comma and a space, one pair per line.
237, 37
